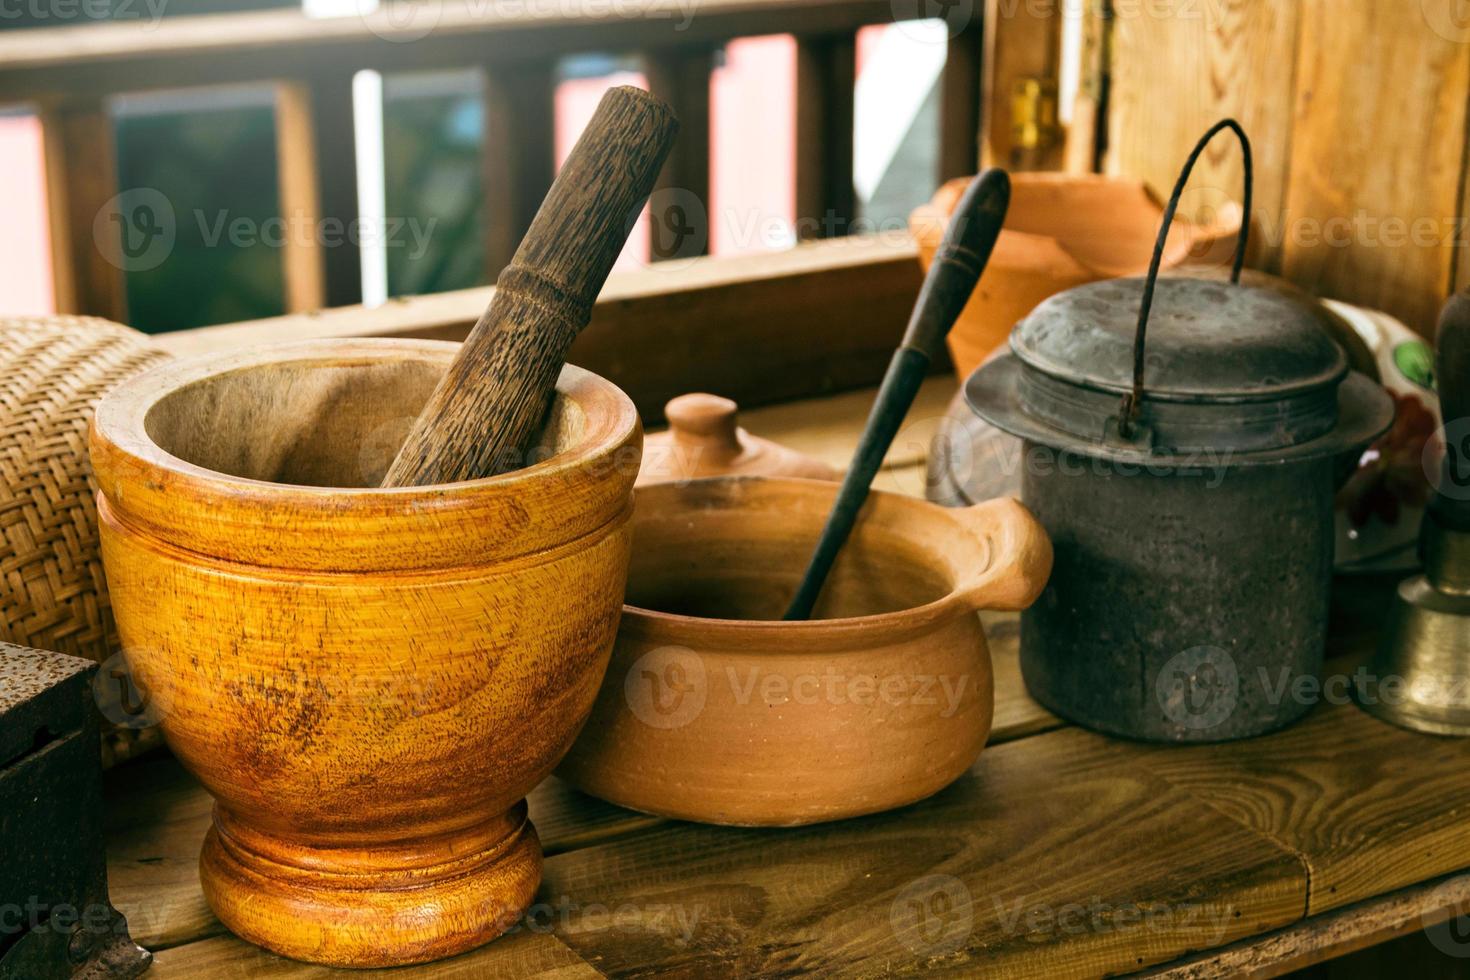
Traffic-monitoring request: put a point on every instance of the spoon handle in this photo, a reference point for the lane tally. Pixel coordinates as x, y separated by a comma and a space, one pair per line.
957, 266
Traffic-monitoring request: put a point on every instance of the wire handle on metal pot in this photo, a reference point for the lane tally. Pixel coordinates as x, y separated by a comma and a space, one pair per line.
1129, 413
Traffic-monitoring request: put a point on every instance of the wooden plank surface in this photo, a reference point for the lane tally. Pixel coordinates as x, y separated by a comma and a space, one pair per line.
158, 814
1055, 856
1178, 68
829, 428
1369, 807
1427, 907
522, 954
1376, 168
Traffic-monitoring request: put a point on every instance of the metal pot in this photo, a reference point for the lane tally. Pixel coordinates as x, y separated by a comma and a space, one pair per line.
1186, 482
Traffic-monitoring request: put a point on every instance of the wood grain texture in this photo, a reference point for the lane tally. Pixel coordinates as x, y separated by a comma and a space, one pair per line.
368, 721
1326, 937
156, 818
1055, 856
158, 814
1376, 169
523, 955
1369, 807
485, 413
802, 897
1178, 68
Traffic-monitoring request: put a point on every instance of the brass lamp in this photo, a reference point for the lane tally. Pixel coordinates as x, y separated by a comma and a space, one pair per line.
1422, 670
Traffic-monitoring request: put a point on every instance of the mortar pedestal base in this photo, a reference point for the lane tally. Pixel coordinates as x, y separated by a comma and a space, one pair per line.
368, 905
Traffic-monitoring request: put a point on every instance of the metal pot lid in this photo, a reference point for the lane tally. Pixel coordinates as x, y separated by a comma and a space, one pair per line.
1362, 412
1208, 341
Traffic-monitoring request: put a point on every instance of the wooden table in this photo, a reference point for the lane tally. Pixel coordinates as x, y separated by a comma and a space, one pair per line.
1060, 853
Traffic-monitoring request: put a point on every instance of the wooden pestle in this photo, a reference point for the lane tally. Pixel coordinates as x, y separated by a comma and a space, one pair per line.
488, 409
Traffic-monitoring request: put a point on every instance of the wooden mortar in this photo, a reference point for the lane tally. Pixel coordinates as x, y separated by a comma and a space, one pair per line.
716, 710
368, 681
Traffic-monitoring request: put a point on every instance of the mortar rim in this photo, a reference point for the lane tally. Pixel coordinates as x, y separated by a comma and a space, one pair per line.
281, 525
109, 417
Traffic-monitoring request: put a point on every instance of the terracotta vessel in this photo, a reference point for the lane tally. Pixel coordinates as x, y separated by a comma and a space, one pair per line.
1062, 230
368, 681
715, 711
704, 439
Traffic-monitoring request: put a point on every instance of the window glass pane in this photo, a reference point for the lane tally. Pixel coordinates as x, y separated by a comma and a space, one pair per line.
896, 120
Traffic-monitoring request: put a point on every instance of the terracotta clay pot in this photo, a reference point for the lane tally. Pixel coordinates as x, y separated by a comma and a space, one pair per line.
1062, 230
704, 439
713, 710
368, 681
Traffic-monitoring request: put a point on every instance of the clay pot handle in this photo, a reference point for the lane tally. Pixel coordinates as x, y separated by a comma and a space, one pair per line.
1019, 555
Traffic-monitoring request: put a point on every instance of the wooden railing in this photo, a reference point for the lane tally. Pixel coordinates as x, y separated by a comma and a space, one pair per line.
818, 318
70, 73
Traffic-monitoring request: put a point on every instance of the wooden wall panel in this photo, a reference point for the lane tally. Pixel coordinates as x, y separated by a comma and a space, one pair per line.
1378, 151
1177, 67
1022, 40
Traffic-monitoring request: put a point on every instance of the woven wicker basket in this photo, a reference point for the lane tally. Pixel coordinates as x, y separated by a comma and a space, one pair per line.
52, 593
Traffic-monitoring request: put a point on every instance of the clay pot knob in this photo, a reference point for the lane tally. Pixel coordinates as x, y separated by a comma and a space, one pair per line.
706, 418
704, 438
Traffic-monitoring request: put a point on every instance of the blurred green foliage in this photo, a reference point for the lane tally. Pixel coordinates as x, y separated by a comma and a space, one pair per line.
215, 167
433, 135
